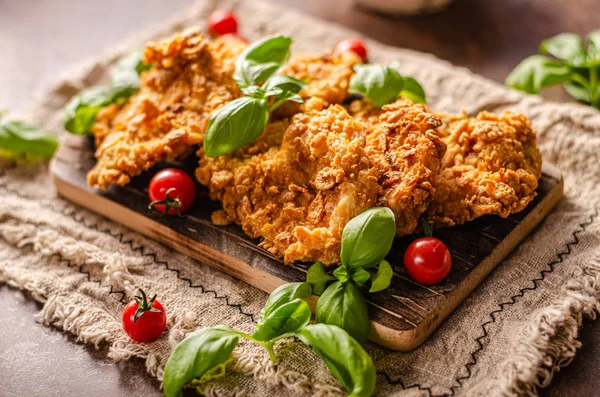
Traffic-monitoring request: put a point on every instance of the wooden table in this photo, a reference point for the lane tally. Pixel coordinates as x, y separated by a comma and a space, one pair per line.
38, 39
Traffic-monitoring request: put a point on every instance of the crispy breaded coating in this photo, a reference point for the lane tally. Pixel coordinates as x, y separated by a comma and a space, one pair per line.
327, 75
167, 117
403, 144
296, 194
492, 166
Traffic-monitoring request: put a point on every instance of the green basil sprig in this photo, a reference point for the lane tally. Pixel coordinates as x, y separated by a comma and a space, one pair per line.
366, 240
20, 140
285, 314
261, 60
80, 112
564, 59
383, 84
243, 120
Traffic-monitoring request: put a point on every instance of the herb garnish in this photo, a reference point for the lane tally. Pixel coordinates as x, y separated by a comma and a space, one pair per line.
566, 60
243, 120
366, 240
81, 110
383, 84
19, 140
285, 314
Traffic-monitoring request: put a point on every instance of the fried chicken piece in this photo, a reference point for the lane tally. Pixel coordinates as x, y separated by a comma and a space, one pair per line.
297, 186
492, 166
403, 144
167, 117
327, 75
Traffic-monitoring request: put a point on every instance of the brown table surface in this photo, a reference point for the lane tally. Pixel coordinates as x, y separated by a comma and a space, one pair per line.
40, 38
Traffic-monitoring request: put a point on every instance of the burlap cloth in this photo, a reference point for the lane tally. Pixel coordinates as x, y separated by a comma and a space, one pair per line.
514, 331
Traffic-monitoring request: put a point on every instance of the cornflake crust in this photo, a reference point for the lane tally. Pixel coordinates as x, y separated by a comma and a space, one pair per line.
297, 194
491, 167
190, 78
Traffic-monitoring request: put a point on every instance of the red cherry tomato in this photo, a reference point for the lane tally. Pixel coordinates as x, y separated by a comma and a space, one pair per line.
353, 45
173, 190
427, 260
150, 321
222, 22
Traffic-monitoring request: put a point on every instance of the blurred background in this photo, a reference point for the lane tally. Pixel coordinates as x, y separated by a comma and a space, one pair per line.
41, 39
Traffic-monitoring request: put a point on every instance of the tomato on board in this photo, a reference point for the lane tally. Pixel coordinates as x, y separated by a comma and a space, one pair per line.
222, 22
144, 319
427, 260
172, 191
355, 45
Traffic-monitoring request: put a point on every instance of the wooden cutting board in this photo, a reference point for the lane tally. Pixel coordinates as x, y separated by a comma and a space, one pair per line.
403, 315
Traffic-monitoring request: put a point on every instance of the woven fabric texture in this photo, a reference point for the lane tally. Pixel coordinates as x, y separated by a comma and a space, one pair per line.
507, 338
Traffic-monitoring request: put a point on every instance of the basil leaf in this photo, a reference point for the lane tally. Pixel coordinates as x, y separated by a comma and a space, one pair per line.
594, 48
261, 60
125, 76
378, 83
567, 47
536, 72
278, 85
577, 91
341, 273
235, 125
383, 278
21, 139
368, 237
358, 275
290, 317
345, 357
196, 355
318, 278
342, 304
80, 112
413, 90
285, 294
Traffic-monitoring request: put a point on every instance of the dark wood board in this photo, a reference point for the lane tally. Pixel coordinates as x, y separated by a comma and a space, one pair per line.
402, 315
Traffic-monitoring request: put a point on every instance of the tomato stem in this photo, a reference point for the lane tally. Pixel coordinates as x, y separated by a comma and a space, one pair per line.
169, 202
144, 305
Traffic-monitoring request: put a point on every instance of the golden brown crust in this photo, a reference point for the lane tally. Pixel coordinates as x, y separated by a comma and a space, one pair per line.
403, 144
297, 194
328, 75
190, 78
492, 166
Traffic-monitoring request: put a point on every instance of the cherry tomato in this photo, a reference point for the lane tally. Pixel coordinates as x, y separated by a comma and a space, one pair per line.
144, 319
221, 22
353, 45
171, 190
427, 260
